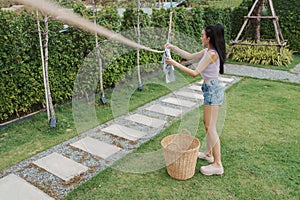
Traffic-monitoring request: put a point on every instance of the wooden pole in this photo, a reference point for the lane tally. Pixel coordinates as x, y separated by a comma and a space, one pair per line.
274, 22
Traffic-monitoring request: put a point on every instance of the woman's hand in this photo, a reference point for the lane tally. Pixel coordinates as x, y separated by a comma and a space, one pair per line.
169, 46
170, 61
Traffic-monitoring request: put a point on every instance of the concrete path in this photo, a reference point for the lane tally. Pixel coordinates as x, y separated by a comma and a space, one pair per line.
255, 72
55, 172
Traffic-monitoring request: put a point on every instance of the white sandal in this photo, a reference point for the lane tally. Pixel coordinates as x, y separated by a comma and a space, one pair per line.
203, 156
211, 170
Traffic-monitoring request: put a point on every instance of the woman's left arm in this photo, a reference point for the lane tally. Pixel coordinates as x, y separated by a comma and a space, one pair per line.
186, 70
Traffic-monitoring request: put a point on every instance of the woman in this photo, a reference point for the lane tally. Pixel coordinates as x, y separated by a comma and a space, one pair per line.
210, 65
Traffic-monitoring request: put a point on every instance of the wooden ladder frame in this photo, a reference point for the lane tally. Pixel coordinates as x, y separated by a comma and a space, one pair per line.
278, 33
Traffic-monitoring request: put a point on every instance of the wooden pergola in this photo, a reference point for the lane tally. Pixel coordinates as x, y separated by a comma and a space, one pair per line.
256, 13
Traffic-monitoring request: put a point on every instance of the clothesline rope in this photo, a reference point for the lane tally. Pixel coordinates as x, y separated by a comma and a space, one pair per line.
76, 20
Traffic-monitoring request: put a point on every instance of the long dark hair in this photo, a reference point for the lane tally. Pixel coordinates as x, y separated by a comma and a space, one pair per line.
216, 35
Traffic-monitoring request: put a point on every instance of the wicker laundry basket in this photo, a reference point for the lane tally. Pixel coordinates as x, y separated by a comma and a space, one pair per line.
180, 152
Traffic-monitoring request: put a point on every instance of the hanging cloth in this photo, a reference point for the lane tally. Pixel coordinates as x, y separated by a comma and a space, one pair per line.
168, 69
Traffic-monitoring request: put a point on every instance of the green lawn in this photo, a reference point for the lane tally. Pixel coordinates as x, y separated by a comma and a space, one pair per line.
260, 152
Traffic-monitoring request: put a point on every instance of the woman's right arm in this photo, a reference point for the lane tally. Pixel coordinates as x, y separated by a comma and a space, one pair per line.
185, 54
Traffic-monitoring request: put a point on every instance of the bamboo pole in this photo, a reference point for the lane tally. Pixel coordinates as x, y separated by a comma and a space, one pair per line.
103, 100
138, 49
51, 107
43, 63
170, 24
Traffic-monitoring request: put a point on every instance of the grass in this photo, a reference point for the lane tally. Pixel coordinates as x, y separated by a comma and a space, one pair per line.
296, 61
260, 149
22, 140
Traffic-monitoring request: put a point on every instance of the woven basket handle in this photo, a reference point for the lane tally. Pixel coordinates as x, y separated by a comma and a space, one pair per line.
174, 145
185, 130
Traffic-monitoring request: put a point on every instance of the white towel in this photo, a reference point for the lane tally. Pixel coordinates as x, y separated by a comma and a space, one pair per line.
168, 69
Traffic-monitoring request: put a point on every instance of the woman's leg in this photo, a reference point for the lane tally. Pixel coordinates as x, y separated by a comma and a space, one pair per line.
212, 139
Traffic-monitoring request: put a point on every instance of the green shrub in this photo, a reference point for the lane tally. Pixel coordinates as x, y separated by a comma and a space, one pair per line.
221, 16
262, 55
21, 74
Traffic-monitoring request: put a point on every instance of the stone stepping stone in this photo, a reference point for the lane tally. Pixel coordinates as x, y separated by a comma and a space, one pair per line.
61, 166
195, 87
164, 110
223, 79
179, 102
192, 95
124, 132
96, 147
13, 187
148, 121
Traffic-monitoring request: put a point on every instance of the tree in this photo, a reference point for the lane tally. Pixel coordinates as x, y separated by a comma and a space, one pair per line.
258, 11
103, 99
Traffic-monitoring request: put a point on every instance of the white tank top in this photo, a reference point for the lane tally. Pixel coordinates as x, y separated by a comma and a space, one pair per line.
212, 70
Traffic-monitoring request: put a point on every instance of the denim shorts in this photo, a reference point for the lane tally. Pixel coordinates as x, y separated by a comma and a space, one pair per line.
213, 92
